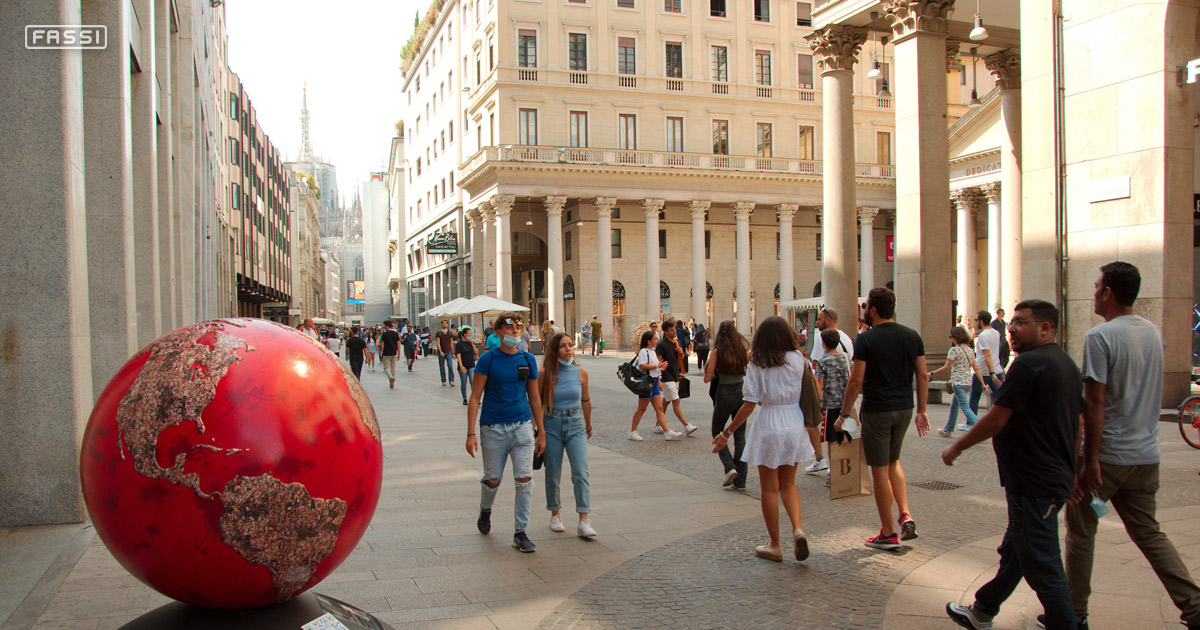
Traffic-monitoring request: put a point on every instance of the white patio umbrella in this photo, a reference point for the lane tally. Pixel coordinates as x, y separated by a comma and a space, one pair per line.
482, 305
441, 309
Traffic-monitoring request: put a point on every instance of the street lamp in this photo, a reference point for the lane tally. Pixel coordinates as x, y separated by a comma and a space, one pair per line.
979, 33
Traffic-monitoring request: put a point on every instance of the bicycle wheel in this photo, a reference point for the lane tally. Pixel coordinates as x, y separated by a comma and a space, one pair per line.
1189, 421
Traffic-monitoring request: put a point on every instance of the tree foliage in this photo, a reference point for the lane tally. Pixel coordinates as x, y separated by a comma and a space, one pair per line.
421, 29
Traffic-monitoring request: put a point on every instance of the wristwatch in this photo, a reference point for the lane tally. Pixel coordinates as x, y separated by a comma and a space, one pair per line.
843, 415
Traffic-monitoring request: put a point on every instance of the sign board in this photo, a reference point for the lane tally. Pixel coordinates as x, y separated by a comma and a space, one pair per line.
416, 290
1108, 189
1190, 73
890, 248
356, 292
293, 311
445, 243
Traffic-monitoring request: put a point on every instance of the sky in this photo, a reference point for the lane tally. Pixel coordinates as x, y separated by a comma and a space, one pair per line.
348, 52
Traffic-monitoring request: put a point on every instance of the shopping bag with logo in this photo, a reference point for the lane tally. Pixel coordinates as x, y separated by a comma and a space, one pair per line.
635, 379
849, 475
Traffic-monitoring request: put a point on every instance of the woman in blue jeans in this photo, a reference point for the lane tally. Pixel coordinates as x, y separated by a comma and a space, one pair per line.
563, 384
960, 360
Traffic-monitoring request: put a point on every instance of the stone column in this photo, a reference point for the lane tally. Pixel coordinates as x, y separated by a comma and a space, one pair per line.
967, 202
651, 208
866, 239
488, 252
145, 184
699, 276
924, 265
836, 49
165, 159
1005, 67
478, 246
604, 305
742, 211
502, 206
110, 263
787, 263
46, 377
554, 254
995, 235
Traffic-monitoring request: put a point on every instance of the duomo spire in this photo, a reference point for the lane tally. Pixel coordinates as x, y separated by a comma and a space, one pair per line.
305, 146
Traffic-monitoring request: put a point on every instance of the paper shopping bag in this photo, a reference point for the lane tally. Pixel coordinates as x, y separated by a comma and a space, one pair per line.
849, 475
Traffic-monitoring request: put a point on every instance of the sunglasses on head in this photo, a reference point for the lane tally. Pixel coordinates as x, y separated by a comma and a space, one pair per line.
510, 321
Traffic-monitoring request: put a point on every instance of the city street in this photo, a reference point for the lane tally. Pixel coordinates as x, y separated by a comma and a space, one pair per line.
674, 549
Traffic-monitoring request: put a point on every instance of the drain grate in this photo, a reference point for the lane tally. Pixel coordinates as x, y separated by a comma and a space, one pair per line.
937, 485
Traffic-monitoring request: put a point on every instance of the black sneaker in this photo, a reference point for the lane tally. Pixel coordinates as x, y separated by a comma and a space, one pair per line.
908, 527
887, 543
522, 542
464, 401
1081, 624
485, 521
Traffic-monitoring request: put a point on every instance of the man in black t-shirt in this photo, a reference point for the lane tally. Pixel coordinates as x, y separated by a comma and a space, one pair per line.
354, 351
669, 382
887, 357
410, 339
1033, 423
390, 342
445, 351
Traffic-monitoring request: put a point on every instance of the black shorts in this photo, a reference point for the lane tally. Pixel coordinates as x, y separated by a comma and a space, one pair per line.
410, 353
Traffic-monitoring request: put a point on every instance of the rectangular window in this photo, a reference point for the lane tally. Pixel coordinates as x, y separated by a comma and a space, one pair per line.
626, 55
616, 243
807, 143
675, 134
567, 245
804, 65
674, 60
716, 8
762, 10
233, 106
777, 246
707, 244
235, 151
627, 131
883, 147
577, 51
764, 139
672, 6
662, 243
579, 129
526, 49
817, 248
720, 64
804, 14
451, 130
625, 4
720, 137
885, 69
762, 67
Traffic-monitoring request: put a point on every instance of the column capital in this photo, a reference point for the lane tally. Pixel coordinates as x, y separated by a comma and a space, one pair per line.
699, 209
502, 204
604, 205
967, 198
1005, 67
786, 211
836, 47
867, 214
473, 218
651, 207
991, 190
485, 210
554, 203
910, 17
743, 209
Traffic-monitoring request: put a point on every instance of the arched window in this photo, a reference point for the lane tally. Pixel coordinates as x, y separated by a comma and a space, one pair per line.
569, 288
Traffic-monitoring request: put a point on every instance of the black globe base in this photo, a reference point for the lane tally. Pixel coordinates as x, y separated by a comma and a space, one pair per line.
294, 614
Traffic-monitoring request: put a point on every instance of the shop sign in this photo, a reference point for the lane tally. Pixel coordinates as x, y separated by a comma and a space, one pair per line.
445, 243
1190, 73
890, 248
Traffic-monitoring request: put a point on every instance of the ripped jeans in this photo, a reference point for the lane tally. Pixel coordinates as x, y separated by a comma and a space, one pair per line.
499, 442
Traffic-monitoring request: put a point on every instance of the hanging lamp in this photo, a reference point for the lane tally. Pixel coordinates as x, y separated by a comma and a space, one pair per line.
979, 33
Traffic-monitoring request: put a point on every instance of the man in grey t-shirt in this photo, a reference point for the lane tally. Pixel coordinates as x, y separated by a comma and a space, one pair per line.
1123, 382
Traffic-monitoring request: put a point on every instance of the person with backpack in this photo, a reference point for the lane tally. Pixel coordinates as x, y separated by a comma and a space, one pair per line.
649, 362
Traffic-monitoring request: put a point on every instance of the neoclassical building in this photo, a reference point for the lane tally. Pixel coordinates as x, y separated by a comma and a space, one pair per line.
619, 160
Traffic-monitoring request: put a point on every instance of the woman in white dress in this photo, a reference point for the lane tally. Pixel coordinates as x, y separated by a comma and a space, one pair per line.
778, 440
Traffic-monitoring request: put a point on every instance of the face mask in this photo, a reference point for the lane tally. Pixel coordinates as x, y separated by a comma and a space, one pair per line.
511, 342
565, 362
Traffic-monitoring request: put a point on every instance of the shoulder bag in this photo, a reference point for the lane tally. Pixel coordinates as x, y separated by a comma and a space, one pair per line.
634, 379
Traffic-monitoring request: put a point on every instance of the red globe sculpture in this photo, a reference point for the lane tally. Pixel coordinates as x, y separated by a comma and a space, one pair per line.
232, 464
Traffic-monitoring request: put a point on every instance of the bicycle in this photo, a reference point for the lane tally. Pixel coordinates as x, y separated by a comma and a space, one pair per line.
1189, 420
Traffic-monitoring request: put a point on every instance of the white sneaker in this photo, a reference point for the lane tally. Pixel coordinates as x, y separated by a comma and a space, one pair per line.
585, 528
672, 435
690, 429
657, 430
817, 466
556, 524
964, 427
633, 435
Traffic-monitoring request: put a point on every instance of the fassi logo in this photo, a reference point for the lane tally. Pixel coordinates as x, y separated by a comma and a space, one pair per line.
66, 36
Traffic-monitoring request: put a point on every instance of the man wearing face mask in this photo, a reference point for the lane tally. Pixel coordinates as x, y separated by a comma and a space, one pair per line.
506, 381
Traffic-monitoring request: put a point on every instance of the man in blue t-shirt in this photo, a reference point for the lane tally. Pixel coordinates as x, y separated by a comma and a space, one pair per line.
506, 380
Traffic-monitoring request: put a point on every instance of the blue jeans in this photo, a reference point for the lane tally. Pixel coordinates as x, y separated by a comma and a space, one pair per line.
960, 402
464, 381
499, 442
1030, 550
977, 391
447, 363
566, 431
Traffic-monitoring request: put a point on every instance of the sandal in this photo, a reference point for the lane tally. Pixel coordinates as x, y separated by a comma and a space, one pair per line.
769, 552
801, 544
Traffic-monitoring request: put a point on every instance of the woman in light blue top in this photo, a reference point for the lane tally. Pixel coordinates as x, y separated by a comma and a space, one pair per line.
563, 384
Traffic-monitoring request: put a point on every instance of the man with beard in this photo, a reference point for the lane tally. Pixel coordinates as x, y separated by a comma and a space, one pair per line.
887, 358
1033, 425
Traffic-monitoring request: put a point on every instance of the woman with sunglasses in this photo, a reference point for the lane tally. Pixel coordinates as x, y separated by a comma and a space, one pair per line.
960, 360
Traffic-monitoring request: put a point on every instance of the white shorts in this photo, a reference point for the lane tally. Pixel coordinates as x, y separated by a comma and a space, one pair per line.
670, 391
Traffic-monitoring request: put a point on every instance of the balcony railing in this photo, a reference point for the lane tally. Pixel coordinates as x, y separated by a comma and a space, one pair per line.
668, 159
601, 80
